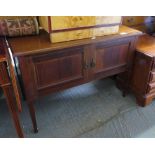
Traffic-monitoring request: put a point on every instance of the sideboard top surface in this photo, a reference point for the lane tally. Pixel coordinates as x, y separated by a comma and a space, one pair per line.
146, 45
28, 45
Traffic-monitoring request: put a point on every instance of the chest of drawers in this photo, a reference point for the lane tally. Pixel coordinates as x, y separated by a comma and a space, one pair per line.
143, 75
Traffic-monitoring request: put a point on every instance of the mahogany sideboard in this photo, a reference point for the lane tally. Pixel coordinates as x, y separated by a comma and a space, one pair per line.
143, 76
9, 87
49, 67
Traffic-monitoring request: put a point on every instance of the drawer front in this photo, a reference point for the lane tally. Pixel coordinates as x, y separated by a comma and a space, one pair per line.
152, 77
153, 64
131, 20
151, 88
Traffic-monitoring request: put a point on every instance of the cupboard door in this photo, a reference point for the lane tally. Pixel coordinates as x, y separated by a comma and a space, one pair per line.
110, 59
60, 69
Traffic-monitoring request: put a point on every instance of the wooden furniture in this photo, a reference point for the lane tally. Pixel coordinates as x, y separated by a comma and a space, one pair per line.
47, 67
9, 87
143, 23
143, 76
66, 28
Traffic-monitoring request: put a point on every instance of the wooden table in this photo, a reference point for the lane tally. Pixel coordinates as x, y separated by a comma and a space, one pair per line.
9, 88
47, 67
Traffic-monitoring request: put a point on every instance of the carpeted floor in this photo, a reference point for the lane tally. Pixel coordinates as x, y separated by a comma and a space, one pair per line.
95, 110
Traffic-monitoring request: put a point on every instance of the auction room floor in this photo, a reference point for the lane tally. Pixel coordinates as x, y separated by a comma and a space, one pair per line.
95, 109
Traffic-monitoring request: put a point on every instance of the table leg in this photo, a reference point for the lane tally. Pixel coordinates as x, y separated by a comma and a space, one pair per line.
12, 108
33, 116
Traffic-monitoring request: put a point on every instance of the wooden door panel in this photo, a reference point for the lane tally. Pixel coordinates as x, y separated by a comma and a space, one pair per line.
108, 58
112, 56
59, 68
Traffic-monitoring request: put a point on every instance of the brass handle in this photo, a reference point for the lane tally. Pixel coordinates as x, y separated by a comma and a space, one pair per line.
92, 63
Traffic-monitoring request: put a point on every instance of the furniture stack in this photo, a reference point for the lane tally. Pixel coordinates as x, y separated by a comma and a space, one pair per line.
74, 56
66, 28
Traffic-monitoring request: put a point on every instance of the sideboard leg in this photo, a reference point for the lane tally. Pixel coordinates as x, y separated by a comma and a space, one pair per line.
142, 100
124, 93
33, 116
120, 84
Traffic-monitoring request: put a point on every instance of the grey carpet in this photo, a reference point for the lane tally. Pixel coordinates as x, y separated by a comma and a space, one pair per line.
94, 110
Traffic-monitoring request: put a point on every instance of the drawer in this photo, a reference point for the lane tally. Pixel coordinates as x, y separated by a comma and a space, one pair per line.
153, 64
151, 88
133, 20
152, 77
